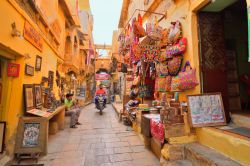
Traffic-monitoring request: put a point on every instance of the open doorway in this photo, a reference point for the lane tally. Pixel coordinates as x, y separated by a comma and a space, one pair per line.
223, 33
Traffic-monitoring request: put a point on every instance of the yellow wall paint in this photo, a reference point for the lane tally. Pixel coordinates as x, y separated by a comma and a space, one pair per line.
227, 144
14, 94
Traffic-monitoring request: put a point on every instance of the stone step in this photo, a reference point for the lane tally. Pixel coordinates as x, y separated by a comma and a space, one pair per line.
202, 155
179, 163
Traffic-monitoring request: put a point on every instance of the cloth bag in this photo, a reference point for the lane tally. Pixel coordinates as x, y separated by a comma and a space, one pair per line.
160, 84
163, 68
175, 33
174, 65
176, 49
138, 29
187, 78
175, 83
153, 30
168, 83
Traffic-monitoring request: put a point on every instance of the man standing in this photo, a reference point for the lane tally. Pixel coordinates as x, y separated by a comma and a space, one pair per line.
72, 110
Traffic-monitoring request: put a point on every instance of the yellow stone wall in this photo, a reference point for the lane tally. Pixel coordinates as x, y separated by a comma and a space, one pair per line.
14, 99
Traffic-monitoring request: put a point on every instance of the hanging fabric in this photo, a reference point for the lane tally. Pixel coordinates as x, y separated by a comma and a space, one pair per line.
138, 29
174, 65
176, 49
175, 33
153, 30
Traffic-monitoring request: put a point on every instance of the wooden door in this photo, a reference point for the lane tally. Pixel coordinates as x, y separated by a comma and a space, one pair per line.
213, 55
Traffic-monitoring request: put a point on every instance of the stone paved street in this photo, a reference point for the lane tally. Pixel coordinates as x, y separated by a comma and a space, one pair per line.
99, 141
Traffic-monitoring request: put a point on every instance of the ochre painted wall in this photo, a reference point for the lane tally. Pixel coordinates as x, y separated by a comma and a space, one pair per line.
14, 98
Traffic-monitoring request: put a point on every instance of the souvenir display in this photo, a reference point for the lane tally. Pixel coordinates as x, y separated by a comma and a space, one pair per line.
176, 49
145, 91
162, 56
174, 65
187, 78
136, 53
28, 91
164, 40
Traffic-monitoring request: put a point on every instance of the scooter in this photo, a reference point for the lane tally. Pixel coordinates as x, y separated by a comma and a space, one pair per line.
100, 105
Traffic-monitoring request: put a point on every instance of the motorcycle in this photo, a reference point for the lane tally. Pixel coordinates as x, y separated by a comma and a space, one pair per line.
100, 105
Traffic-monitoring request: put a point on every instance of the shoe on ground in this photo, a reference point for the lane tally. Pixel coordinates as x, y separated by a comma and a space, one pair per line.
73, 127
78, 123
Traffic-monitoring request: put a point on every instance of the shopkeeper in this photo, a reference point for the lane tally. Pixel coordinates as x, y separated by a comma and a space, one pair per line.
72, 110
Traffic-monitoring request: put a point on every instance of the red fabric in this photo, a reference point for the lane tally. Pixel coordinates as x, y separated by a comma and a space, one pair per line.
157, 130
100, 92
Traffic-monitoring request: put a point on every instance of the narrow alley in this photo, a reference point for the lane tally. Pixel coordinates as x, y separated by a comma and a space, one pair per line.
100, 141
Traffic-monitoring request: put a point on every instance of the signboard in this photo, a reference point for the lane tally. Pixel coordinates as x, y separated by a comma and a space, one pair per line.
80, 92
33, 36
13, 70
102, 76
206, 110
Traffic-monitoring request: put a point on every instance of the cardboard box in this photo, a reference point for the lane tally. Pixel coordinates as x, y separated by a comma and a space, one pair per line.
156, 147
173, 152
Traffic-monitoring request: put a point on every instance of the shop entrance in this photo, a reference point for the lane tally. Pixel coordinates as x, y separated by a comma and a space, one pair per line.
223, 33
3, 87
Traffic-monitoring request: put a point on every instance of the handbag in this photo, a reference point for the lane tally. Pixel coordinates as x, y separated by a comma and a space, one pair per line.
136, 53
162, 56
153, 30
138, 29
168, 83
187, 78
164, 39
176, 49
175, 83
160, 83
163, 69
174, 65
175, 33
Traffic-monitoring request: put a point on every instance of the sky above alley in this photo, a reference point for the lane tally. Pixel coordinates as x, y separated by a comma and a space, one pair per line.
106, 16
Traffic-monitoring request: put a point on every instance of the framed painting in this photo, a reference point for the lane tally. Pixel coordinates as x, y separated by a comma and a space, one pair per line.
31, 135
38, 96
29, 70
38, 65
2, 135
13, 70
28, 91
206, 110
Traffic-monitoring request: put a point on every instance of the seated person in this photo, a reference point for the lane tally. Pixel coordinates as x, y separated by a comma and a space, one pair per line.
72, 110
132, 103
100, 91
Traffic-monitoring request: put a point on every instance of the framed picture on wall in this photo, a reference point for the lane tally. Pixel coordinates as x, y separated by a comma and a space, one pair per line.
29, 70
13, 70
38, 96
2, 135
31, 135
38, 65
28, 91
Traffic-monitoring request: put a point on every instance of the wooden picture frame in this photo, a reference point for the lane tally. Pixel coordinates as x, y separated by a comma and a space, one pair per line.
38, 96
28, 93
2, 135
38, 65
29, 70
206, 110
31, 135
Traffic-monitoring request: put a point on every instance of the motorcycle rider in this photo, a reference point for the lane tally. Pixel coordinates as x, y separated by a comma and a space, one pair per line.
98, 92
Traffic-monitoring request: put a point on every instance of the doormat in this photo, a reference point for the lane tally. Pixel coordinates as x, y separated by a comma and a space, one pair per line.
237, 130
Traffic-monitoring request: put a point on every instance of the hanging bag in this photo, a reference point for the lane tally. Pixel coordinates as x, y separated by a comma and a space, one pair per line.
160, 84
174, 65
187, 78
168, 83
175, 33
138, 29
176, 49
163, 67
175, 84
153, 30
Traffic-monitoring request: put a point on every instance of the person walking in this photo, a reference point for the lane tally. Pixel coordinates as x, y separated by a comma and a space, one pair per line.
72, 110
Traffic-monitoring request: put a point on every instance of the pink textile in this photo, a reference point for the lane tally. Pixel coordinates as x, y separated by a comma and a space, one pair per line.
157, 130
